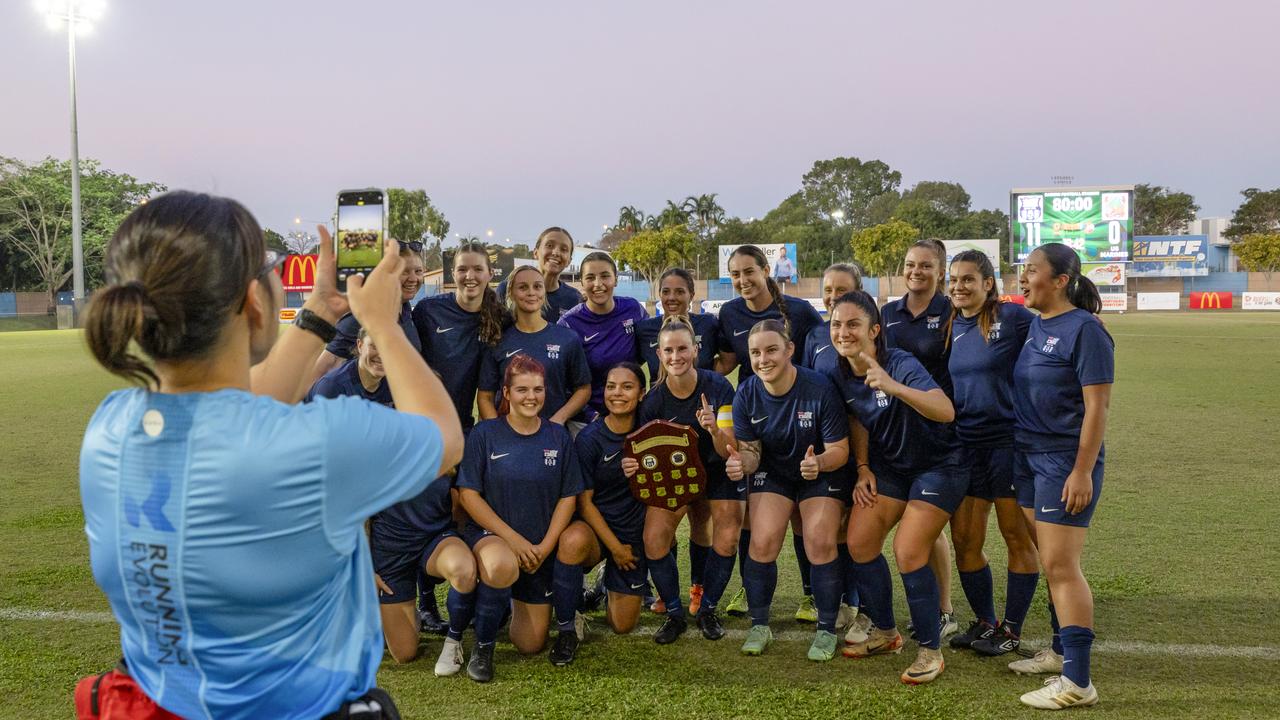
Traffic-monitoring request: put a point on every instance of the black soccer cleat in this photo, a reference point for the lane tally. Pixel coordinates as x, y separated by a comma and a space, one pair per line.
565, 648
480, 667
594, 596
671, 630
978, 630
1001, 641
430, 622
710, 625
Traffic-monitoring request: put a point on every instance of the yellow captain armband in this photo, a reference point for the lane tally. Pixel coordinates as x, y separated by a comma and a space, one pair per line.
724, 416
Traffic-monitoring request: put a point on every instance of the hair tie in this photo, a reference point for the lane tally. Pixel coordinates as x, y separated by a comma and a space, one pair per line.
139, 287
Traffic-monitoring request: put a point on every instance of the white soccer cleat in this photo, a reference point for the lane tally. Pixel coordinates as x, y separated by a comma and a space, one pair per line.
1059, 693
845, 616
859, 630
451, 660
1045, 661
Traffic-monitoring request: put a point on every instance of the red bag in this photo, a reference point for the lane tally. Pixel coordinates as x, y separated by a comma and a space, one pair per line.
114, 695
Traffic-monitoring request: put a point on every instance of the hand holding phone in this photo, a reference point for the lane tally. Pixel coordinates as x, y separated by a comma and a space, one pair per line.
362, 232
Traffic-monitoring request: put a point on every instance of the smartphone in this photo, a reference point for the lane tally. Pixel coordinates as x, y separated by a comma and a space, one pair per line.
362, 232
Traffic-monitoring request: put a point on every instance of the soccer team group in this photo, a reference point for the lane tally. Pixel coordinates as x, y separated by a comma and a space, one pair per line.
933, 410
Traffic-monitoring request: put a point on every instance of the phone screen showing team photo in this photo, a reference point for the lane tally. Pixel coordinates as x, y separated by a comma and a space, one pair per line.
360, 232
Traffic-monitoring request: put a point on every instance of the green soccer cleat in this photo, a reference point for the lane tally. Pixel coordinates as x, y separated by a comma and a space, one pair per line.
807, 612
758, 638
737, 606
823, 647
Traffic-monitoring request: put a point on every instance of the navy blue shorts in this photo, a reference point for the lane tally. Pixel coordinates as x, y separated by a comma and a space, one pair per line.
1040, 478
990, 472
943, 487
398, 559
530, 588
835, 485
627, 582
722, 488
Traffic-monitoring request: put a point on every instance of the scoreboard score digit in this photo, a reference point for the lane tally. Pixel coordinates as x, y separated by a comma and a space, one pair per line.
1097, 222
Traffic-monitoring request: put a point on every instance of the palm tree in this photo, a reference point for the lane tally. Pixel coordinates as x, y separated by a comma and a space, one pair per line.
673, 215
706, 211
629, 218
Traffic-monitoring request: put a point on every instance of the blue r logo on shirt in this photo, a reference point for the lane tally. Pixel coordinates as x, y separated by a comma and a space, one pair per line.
152, 507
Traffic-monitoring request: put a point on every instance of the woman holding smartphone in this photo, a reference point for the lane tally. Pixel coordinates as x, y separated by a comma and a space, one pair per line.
164, 465
517, 482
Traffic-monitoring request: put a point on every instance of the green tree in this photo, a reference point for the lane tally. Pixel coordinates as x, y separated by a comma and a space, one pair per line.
948, 199
1259, 213
1259, 252
275, 241
880, 249
649, 252
412, 216
1158, 210
733, 231
630, 219
847, 185
673, 215
35, 215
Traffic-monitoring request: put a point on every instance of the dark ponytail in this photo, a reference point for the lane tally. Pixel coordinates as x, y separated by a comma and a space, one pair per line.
493, 316
863, 301
987, 313
177, 270
775, 292
1080, 290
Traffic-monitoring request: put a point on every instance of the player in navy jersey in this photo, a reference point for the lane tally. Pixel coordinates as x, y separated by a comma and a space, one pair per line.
517, 481
557, 349
606, 324
837, 279
906, 476
553, 252
676, 295
702, 399
1062, 389
917, 322
760, 298
610, 521
362, 376
793, 443
985, 338
342, 346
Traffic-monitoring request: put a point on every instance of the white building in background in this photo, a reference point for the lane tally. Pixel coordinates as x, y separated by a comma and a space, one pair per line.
1213, 228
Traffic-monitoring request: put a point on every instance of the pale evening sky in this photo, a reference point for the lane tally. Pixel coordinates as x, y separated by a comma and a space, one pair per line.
515, 116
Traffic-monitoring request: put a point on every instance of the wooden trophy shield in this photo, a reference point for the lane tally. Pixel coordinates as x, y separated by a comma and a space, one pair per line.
671, 474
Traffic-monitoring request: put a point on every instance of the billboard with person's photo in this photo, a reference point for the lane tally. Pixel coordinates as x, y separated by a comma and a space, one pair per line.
784, 263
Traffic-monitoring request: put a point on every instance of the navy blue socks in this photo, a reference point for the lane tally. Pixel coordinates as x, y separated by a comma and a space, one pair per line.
716, 579
566, 586
491, 604
922, 598
698, 562
1057, 637
802, 560
1020, 590
744, 544
666, 579
462, 607
978, 591
760, 580
876, 591
850, 587
828, 586
1076, 644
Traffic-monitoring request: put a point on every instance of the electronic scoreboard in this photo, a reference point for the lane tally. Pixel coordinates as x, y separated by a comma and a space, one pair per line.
1096, 221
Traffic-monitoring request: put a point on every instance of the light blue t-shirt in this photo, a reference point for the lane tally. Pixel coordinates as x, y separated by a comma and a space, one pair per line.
226, 530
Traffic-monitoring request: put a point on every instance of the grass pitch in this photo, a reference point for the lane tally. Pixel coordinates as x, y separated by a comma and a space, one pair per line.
1182, 557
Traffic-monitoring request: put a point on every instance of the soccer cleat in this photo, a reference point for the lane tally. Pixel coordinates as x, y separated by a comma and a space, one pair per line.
657, 607
878, 642
695, 599
999, 642
671, 630
947, 626
565, 648
1059, 693
978, 630
807, 612
429, 622
480, 668
1045, 661
823, 647
927, 667
594, 596
737, 606
710, 625
759, 637
846, 616
451, 659
859, 629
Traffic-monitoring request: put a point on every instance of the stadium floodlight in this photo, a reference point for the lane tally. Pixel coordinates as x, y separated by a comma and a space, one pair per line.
838, 216
79, 17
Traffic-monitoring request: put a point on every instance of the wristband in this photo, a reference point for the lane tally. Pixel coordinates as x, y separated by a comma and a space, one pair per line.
316, 325
862, 465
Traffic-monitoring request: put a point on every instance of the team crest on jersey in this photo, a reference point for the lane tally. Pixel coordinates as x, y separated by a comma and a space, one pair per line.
995, 332
758, 479
553, 352
1049, 344
805, 418
549, 457
629, 325
882, 400
935, 321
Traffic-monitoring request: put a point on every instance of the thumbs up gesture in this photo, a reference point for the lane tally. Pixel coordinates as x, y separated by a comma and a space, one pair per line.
707, 415
877, 377
733, 465
809, 465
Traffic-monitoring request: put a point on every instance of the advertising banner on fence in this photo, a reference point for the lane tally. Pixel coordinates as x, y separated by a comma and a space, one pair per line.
1260, 301
1170, 256
712, 306
1019, 299
1104, 274
990, 248
501, 260
1115, 302
1159, 301
784, 265
1210, 300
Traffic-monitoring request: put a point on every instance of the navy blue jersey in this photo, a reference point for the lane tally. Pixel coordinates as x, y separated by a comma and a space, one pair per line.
559, 349
522, 477
424, 516
608, 339
898, 436
923, 335
661, 404
344, 343
559, 301
706, 332
982, 374
452, 348
809, 414
345, 380
736, 321
819, 353
1060, 356
600, 462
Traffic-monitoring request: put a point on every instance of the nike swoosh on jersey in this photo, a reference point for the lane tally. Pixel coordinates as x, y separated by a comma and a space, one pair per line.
757, 421
895, 322
607, 458
513, 352
496, 457
443, 330
590, 337
736, 333
926, 492
653, 344
959, 336
818, 352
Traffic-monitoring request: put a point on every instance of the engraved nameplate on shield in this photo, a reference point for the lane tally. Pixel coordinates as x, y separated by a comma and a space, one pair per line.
671, 474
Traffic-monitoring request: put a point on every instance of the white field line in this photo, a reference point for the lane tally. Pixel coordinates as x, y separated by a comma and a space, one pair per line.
601, 633
1183, 336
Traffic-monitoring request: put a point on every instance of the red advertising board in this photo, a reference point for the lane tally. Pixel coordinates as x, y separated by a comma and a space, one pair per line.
1211, 300
298, 273
1019, 299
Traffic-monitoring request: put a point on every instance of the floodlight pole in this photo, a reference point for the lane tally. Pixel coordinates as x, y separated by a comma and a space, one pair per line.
77, 239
